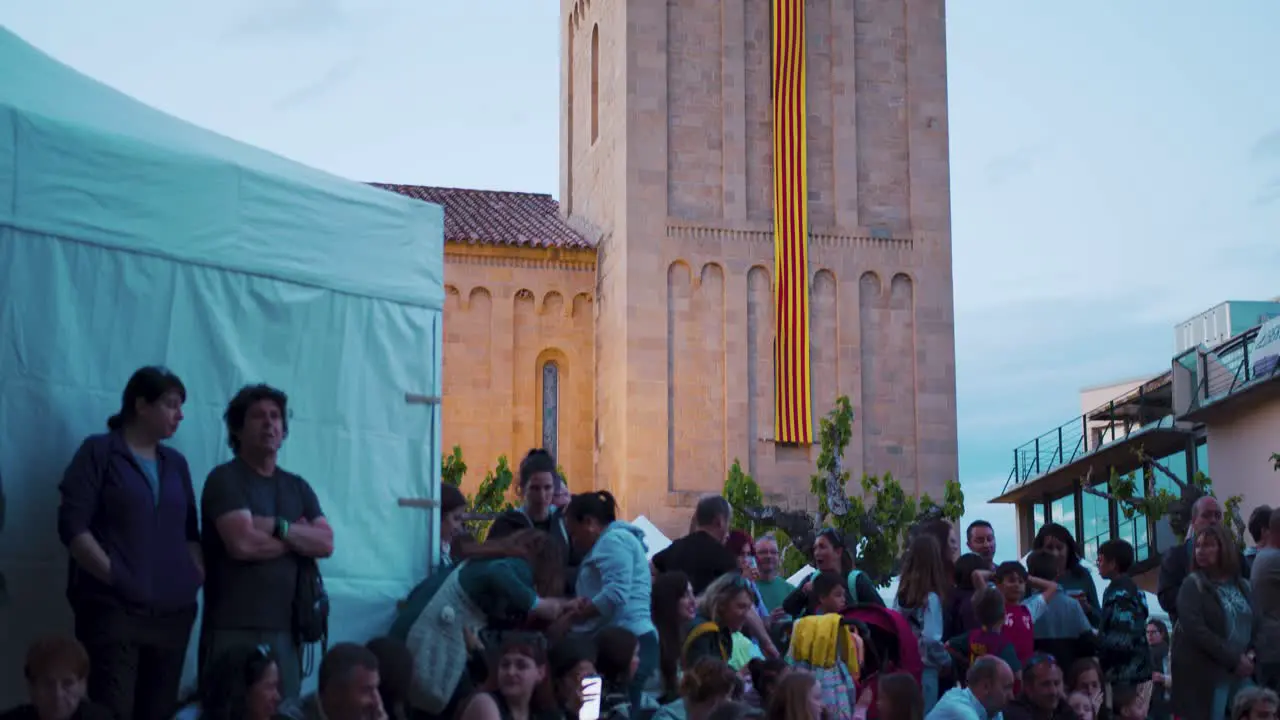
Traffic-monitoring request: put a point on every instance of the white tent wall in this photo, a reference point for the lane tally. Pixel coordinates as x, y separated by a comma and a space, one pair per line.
79, 319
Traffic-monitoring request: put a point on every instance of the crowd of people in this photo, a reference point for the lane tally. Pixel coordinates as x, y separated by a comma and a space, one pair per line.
561, 613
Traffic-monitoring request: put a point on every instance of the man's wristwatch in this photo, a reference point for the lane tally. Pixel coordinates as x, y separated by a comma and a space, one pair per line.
282, 528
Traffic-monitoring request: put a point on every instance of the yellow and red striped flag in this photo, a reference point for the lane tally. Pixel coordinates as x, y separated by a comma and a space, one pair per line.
793, 421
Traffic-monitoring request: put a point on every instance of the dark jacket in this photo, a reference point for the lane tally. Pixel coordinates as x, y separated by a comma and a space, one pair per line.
698, 555
1200, 659
105, 492
1122, 634
800, 603
86, 711
1174, 567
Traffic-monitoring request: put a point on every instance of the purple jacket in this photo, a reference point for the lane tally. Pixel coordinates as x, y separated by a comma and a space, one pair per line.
105, 492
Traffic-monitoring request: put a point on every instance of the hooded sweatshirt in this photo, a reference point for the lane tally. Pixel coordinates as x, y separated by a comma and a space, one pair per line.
615, 577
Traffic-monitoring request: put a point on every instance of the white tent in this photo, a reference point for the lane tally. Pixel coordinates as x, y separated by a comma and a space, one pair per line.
654, 540
129, 238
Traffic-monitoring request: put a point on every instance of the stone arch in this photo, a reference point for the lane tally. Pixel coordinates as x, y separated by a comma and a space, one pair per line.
581, 305
711, 271
480, 294
552, 304
824, 342
901, 291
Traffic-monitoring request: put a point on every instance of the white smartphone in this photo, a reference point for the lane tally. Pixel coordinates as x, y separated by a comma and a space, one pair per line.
592, 689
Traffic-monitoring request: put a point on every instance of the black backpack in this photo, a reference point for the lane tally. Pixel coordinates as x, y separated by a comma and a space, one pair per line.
310, 612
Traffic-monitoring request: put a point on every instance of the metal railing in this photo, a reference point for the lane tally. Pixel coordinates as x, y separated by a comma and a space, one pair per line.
1144, 408
1225, 369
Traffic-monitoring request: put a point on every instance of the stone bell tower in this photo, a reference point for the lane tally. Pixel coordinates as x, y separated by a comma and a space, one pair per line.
667, 153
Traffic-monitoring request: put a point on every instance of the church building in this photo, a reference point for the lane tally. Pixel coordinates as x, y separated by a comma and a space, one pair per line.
632, 328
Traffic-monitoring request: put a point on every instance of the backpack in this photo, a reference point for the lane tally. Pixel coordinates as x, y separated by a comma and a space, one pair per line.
853, 587
701, 630
310, 611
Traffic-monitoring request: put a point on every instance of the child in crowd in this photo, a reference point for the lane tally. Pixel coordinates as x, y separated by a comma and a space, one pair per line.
1122, 631
1021, 612
828, 587
988, 638
1063, 629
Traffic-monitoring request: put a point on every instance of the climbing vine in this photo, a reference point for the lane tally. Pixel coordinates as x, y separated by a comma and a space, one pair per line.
1157, 502
453, 468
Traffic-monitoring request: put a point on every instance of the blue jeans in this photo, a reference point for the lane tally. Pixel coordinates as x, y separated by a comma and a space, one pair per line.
648, 666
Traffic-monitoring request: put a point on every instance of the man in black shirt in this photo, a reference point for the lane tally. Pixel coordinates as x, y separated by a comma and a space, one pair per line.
259, 520
701, 554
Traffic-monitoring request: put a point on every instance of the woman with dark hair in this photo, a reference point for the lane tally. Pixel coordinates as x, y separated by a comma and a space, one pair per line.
830, 555
518, 687
499, 585
1213, 646
1158, 641
1075, 579
673, 611
899, 698
538, 481
614, 585
240, 683
920, 590
128, 516
617, 657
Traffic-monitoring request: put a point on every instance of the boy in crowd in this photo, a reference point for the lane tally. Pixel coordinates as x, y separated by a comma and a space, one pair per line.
1021, 612
829, 589
1122, 632
989, 637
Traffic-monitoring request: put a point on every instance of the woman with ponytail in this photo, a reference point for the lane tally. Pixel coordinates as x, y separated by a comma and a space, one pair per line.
614, 584
539, 481
128, 516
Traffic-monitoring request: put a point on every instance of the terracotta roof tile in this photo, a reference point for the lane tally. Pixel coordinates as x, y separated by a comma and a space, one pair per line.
492, 217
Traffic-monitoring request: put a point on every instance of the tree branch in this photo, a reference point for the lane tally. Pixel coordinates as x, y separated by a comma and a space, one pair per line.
1108, 496
1144, 457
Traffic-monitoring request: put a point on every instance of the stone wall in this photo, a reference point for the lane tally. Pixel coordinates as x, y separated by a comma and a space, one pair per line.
508, 312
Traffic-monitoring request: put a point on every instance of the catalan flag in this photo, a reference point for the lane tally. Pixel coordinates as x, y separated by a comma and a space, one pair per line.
793, 421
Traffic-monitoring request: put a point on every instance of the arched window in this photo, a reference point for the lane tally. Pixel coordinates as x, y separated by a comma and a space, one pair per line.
550, 406
595, 82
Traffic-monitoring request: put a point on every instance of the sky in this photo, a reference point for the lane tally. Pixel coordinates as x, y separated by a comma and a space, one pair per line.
1114, 170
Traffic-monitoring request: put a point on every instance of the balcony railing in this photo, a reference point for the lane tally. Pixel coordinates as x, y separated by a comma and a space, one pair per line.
1148, 406
1204, 376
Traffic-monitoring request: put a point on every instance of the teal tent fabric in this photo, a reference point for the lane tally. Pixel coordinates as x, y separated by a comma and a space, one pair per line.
129, 238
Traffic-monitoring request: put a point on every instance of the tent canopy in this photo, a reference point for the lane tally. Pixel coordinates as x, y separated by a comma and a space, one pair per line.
98, 166
131, 238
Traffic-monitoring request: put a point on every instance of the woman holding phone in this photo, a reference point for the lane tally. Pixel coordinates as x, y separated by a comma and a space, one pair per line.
1075, 578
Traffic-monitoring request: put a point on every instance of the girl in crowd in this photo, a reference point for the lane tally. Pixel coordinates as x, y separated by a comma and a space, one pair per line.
1212, 650
798, 697
705, 685
959, 618
518, 687
921, 588
497, 584
57, 669
1158, 640
128, 517
241, 683
674, 608
723, 612
899, 698
538, 482
1075, 579
948, 543
831, 555
1085, 677
614, 584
